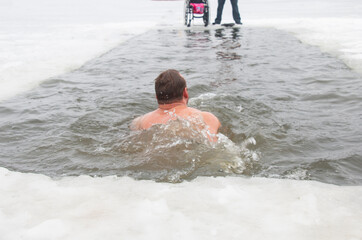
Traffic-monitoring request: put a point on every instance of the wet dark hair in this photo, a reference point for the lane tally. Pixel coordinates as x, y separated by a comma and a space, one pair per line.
169, 86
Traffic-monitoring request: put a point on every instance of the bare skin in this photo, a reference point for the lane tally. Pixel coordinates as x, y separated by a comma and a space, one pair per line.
172, 111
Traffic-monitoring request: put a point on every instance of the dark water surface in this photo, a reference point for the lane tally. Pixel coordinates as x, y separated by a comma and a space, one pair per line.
287, 111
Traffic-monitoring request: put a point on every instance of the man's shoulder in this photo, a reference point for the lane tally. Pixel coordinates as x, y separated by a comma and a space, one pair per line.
212, 121
136, 123
210, 116
147, 120
193, 110
206, 115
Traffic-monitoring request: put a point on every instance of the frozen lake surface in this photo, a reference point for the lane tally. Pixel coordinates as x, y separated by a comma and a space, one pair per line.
289, 110
286, 87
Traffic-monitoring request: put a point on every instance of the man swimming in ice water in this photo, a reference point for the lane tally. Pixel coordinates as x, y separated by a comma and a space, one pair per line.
172, 98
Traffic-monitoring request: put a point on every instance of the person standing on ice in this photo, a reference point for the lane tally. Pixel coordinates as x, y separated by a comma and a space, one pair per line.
172, 98
236, 14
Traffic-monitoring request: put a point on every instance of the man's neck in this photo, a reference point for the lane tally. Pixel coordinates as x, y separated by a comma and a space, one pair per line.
172, 105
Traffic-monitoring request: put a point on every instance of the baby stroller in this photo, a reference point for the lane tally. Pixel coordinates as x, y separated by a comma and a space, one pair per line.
196, 9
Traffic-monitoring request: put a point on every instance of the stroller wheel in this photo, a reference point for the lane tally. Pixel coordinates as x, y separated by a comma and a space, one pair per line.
206, 16
188, 16
186, 11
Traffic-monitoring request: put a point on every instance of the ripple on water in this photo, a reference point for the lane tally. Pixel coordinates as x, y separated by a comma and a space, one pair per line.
285, 109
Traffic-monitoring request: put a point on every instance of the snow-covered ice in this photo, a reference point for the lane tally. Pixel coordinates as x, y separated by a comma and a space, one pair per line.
40, 39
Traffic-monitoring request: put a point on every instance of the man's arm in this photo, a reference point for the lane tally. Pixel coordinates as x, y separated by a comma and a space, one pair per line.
136, 124
212, 122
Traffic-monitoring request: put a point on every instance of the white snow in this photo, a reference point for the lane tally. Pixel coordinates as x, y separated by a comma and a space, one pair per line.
41, 38
37, 207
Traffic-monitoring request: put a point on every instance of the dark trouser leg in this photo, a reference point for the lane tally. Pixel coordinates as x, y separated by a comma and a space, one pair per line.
220, 7
236, 14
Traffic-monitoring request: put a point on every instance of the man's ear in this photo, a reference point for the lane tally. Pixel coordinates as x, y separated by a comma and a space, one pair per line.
185, 93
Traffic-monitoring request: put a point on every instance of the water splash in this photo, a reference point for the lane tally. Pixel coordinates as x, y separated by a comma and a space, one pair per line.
177, 151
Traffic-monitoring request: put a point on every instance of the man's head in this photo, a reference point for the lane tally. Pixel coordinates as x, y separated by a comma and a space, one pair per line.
170, 87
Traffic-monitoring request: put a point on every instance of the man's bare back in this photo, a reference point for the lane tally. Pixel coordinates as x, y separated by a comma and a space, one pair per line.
165, 114
169, 110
